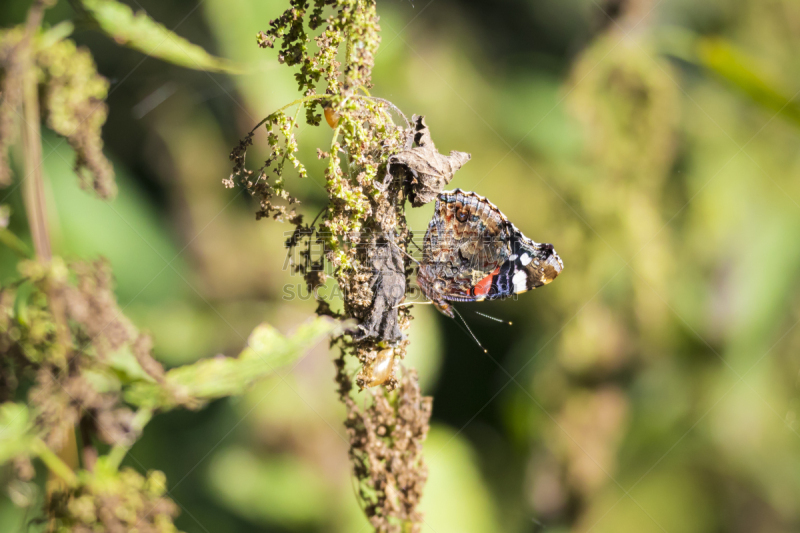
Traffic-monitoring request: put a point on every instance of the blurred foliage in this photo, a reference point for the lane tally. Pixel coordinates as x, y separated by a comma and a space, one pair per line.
107, 500
69, 340
655, 386
733, 66
267, 350
75, 109
142, 33
73, 101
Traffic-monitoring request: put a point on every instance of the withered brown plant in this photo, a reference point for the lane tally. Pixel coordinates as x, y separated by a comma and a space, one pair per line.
376, 161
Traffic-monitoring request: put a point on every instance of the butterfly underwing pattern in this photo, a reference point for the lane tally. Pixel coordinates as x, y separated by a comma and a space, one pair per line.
472, 252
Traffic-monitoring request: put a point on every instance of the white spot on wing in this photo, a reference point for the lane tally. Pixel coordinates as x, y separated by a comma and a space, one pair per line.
525, 259
520, 281
512, 257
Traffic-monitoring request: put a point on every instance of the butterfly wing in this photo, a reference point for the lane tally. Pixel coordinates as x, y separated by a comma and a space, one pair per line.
471, 252
530, 265
466, 243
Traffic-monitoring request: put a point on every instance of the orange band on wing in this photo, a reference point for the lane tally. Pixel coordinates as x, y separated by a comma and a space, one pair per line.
483, 286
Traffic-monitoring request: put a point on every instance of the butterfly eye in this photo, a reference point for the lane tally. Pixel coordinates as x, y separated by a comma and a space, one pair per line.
462, 215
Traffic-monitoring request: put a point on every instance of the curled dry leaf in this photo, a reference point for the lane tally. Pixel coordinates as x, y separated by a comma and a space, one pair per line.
388, 285
426, 170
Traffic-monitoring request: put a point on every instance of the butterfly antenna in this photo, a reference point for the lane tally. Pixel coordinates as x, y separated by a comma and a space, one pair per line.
412, 303
404, 252
490, 317
469, 330
412, 241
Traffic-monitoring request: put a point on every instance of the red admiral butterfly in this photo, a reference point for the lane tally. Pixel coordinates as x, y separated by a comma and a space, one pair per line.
472, 252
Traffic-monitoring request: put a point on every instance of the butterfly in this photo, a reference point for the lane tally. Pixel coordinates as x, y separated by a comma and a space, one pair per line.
472, 252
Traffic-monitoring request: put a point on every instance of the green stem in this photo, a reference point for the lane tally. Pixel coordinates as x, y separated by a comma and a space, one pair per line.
335, 136
313, 97
348, 50
16, 244
298, 101
33, 183
54, 463
286, 153
119, 451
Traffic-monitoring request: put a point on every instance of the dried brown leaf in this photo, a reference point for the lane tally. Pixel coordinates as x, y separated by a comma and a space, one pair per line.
426, 170
388, 284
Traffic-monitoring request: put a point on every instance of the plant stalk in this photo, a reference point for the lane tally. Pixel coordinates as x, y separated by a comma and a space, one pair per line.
59, 462
33, 182
54, 463
119, 451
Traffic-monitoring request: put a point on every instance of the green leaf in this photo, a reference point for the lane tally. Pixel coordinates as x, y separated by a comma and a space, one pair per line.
102, 380
15, 431
737, 69
57, 33
733, 67
21, 303
139, 31
15, 244
267, 350
125, 363
280, 489
17, 438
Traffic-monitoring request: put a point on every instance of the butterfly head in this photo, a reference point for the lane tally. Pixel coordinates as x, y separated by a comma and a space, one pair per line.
550, 264
537, 264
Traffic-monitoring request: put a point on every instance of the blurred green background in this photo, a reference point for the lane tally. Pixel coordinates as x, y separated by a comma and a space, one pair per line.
652, 387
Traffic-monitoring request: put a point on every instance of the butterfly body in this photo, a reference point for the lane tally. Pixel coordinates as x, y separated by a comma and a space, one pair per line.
472, 252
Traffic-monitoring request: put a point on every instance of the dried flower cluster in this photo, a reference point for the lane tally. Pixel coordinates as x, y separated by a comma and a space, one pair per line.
386, 450
72, 340
10, 96
74, 104
72, 97
260, 186
352, 22
630, 106
71, 359
62, 331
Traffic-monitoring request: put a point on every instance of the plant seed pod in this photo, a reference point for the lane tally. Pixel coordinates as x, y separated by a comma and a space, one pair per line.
379, 371
331, 116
